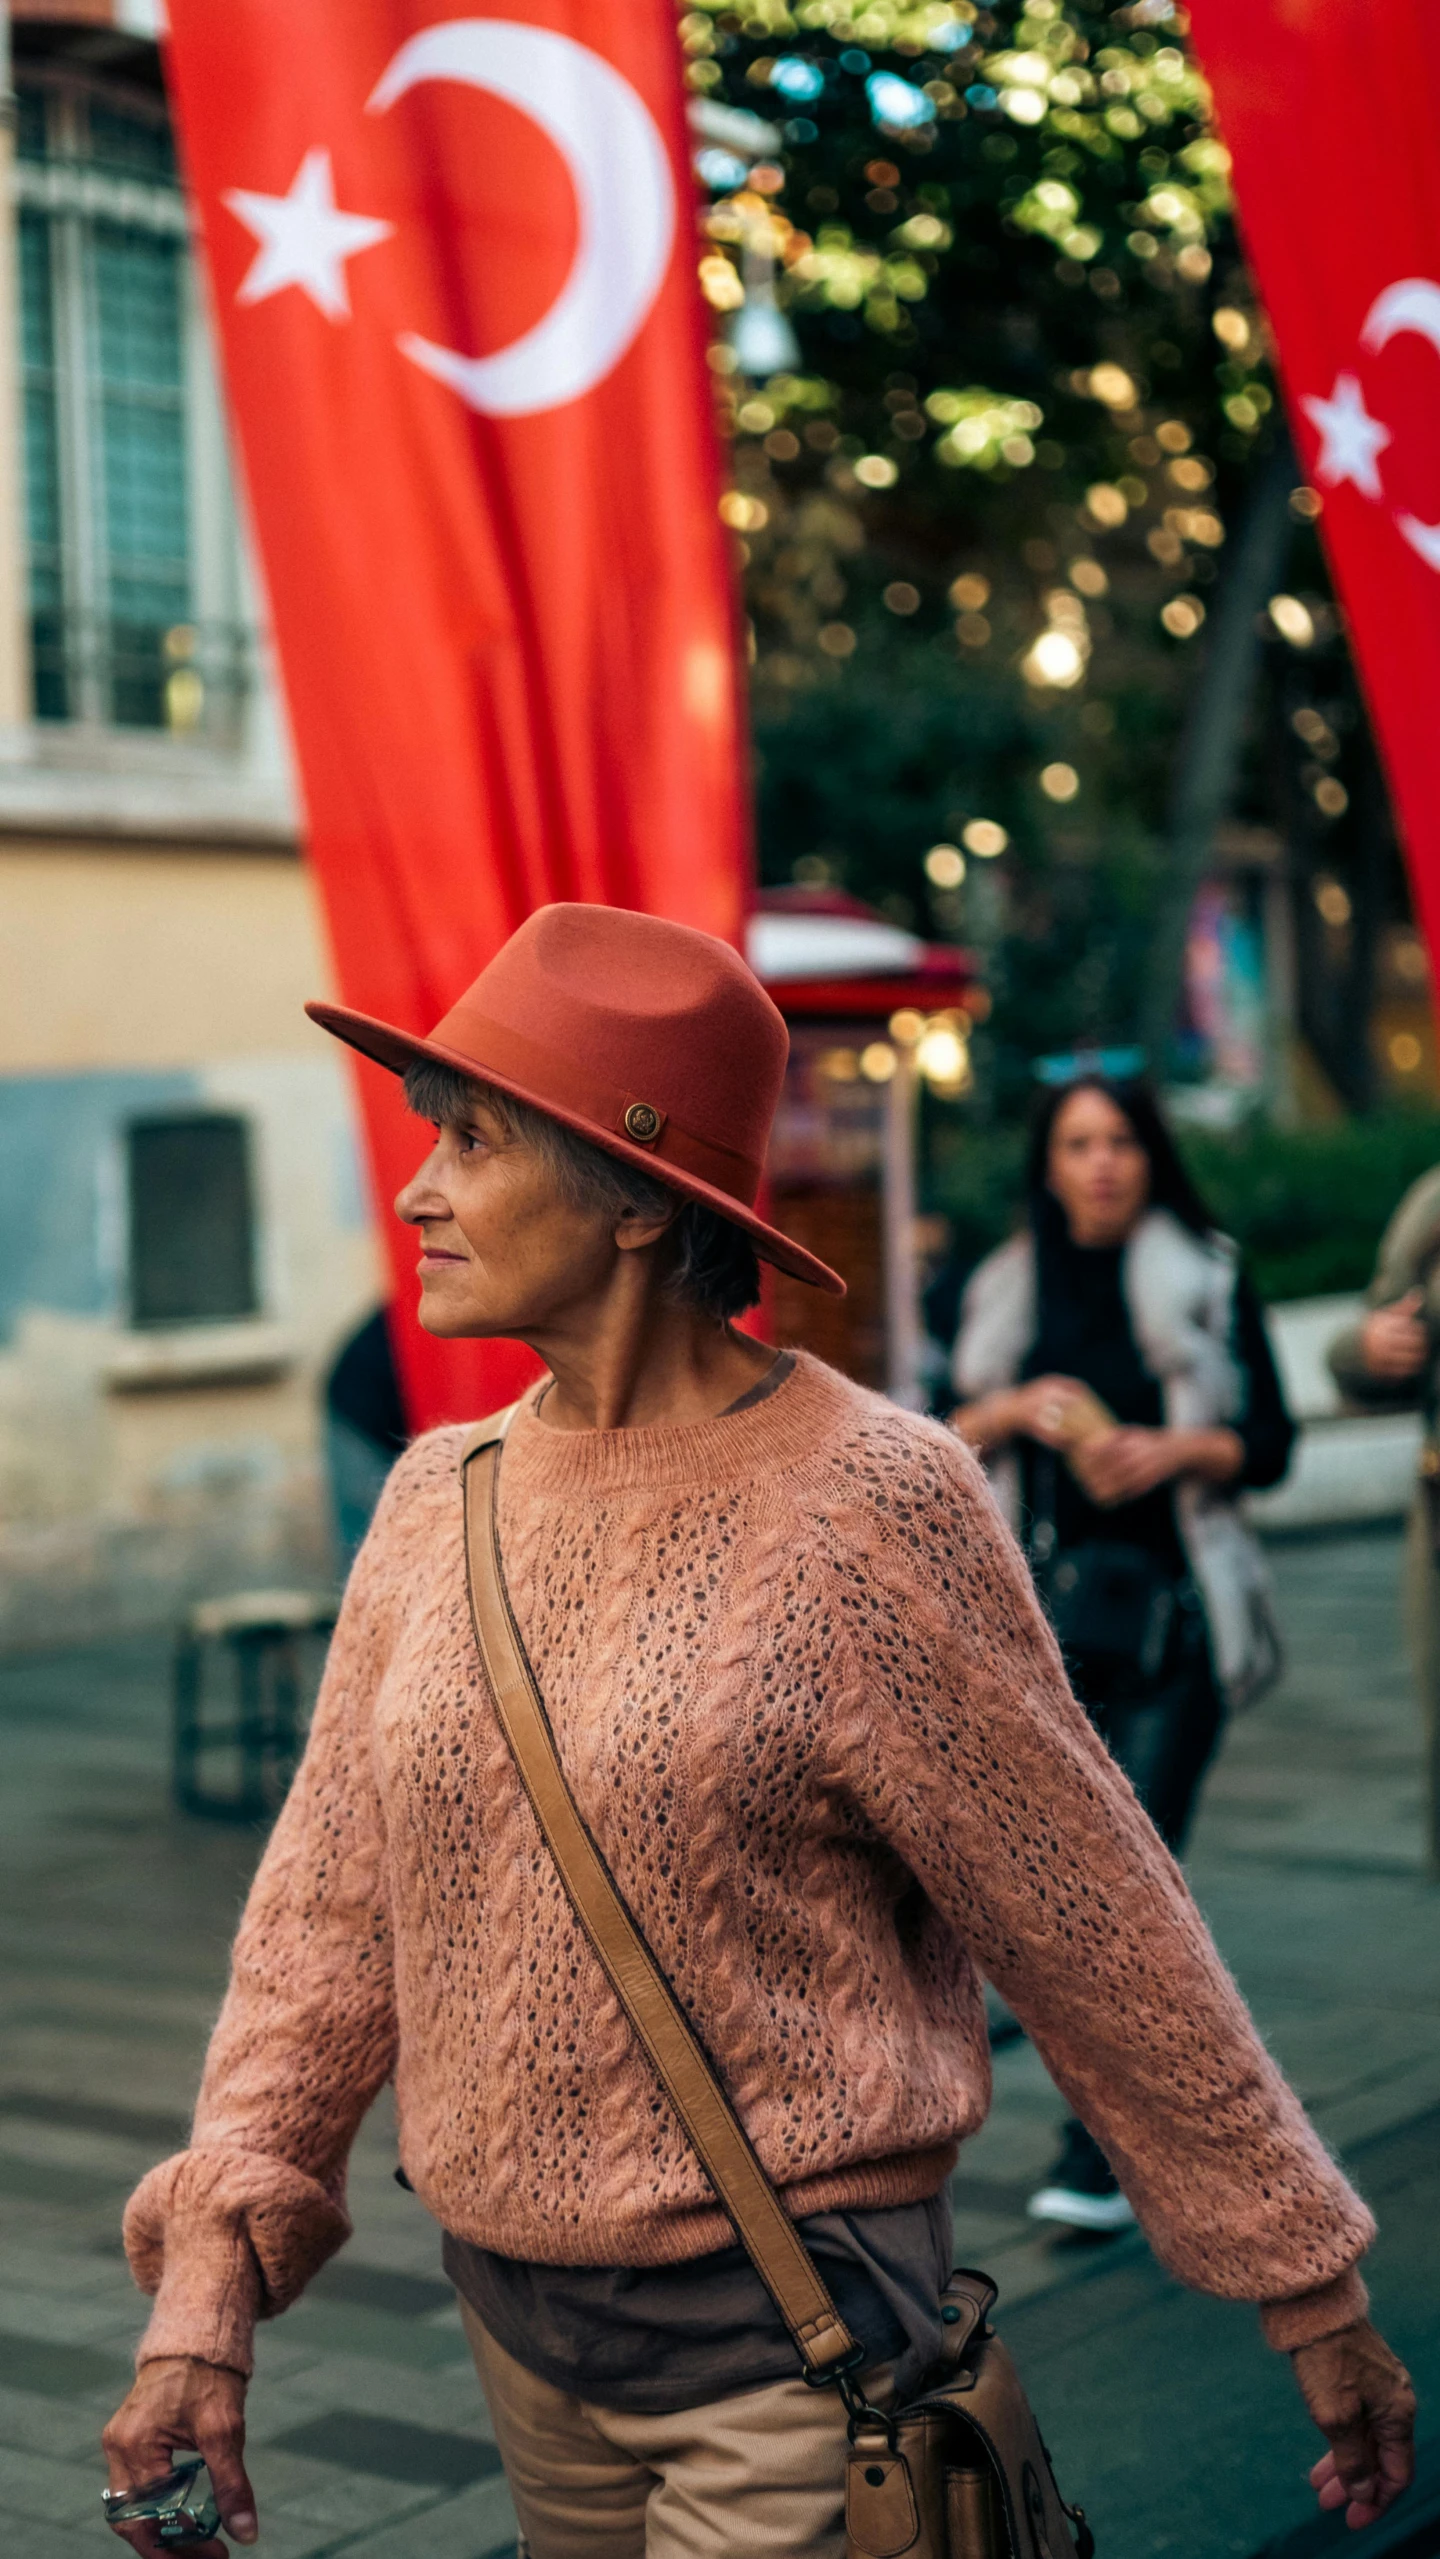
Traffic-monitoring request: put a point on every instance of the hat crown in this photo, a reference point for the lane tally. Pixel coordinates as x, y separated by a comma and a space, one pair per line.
652, 1040
671, 1017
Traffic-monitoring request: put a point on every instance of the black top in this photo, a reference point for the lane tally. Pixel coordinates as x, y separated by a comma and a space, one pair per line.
363, 1389
1084, 1331
653, 2339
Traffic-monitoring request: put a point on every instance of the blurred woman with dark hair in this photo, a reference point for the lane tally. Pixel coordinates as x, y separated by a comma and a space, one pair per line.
1116, 1378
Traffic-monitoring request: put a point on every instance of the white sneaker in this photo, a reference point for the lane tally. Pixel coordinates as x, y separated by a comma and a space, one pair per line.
1080, 2211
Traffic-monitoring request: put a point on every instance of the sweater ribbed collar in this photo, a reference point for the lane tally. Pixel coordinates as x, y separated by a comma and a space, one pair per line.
736, 1448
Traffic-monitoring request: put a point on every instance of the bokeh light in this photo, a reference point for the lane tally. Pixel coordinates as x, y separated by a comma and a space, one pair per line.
1055, 658
945, 866
944, 1058
1112, 384
984, 837
1182, 616
1107, 504
1060, 782
1293, 620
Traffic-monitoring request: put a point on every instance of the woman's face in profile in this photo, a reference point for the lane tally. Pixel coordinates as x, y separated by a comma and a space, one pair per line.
1097, 1168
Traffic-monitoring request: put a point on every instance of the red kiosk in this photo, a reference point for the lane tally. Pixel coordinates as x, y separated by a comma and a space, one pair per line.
874, 1012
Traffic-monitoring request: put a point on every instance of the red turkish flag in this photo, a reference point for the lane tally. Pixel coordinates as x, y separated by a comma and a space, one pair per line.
1330, 109
453, 262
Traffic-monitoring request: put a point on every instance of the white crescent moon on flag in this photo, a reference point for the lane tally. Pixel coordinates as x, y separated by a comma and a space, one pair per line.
625, 198
1410, 308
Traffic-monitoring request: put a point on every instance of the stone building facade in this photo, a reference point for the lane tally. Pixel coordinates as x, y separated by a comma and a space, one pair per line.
185, 1237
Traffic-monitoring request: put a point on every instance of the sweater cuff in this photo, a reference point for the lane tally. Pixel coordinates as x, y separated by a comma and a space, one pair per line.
207, 2304
222, 2236
1308, 2316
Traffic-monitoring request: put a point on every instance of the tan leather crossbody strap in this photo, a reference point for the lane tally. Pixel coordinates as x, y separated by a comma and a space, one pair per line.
779, 2254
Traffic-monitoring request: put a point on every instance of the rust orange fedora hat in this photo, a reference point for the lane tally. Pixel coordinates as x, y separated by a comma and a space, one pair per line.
654, 1041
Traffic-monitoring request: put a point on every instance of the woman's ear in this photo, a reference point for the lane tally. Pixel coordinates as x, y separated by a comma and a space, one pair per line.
634, 1232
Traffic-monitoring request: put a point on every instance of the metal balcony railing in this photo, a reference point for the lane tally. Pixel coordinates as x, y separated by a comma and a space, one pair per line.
187, 679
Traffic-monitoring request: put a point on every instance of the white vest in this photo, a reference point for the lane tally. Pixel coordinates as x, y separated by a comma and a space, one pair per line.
1179, 1290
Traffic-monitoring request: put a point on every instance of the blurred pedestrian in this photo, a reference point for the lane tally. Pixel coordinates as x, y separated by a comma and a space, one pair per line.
365, 1430
1118, 1382
1390, 1362
807, 1703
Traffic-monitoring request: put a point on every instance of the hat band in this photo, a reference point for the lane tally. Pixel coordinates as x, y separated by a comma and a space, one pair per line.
491, 1048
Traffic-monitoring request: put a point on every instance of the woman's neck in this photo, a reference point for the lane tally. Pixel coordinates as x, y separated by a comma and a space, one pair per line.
639, 1361
1093, 1231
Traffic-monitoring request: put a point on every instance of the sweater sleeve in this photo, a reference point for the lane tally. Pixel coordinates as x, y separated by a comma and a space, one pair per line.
233, 2228
974, 1762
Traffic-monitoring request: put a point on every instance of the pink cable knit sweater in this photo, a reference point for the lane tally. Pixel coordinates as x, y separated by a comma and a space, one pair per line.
809, 1706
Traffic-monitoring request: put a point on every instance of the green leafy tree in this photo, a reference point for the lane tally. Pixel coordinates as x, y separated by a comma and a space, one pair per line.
984, 518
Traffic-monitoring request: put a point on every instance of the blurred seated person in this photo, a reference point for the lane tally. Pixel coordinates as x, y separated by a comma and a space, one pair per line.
1116, 1378
1390, 1361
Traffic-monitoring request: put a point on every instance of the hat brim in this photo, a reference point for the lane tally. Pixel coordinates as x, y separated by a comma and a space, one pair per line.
398, 1050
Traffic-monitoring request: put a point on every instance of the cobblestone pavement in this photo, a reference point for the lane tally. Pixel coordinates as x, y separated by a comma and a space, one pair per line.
1166, 2414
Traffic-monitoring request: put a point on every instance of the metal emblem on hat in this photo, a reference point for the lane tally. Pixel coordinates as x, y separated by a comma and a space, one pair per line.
644, 1123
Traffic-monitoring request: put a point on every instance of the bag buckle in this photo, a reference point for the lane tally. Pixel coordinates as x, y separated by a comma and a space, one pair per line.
817, 2377
859, 2410
863, 2417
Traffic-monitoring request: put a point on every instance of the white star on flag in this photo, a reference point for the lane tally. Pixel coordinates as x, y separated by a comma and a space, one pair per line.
303, 239
1350, 439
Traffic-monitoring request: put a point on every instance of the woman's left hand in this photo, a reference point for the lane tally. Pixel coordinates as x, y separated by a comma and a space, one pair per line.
1360, 2396
1132, 1460
1128, 1462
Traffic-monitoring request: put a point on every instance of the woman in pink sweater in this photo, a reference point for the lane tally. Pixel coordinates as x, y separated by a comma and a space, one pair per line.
809, 1707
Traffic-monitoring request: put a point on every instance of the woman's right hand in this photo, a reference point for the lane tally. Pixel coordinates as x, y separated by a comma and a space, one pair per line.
181, 2405
1394, 1342
1043, 1409
1039, 1410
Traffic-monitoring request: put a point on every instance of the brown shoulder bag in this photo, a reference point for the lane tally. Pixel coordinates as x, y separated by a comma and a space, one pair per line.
958, 2472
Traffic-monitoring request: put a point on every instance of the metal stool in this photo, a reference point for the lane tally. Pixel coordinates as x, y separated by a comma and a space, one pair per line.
266, 1635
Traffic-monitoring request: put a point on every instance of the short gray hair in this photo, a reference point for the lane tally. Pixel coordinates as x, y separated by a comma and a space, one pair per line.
716, 1271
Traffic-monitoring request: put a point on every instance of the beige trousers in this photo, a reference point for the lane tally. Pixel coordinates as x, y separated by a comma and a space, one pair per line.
762, 2472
